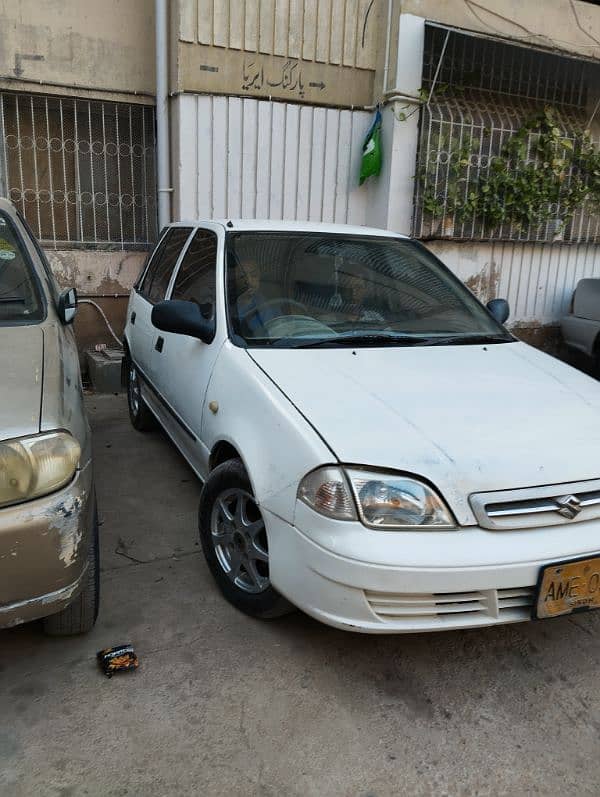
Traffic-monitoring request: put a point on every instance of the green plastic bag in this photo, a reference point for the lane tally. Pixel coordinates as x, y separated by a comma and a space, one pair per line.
370, 164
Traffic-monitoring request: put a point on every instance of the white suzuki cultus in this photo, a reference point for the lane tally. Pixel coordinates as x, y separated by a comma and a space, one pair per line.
376, 449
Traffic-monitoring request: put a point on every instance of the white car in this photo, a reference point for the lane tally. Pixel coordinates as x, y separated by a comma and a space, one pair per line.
376, 449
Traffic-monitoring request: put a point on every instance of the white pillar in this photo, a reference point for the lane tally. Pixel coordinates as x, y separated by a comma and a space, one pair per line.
392, 194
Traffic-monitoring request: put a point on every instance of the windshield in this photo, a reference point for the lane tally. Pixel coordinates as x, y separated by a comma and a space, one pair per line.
20, 299
307, 289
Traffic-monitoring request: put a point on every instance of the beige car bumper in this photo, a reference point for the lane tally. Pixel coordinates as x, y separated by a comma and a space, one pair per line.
44, 548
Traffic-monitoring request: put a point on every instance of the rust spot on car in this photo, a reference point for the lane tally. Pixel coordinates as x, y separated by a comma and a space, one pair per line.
65, 519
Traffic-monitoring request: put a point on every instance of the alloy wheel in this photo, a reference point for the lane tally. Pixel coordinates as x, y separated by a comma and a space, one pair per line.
134, 390
240, 541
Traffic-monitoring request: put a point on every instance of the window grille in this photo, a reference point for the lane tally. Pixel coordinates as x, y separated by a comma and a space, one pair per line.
478, 93
82, 172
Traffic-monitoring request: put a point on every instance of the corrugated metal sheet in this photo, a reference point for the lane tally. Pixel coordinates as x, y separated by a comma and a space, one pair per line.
325, 31
257, 159
537, 279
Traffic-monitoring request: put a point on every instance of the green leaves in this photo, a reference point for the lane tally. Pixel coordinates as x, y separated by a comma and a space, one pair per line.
539, 175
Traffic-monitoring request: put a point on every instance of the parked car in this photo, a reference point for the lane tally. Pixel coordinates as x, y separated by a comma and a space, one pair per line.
581, 326
48, 521
376, 449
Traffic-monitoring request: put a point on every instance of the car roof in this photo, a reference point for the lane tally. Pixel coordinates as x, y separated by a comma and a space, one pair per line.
266, 225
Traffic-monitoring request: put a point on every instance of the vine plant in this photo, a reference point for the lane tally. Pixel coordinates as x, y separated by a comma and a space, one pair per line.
538, 176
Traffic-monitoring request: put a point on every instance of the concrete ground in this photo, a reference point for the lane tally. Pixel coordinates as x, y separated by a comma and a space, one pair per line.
225, 705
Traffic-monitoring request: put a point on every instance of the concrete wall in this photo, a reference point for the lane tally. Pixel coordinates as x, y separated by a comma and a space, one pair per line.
103, 46
102, 277
333, 51
553, 23
258, 159
84, 49
537, 279
313, 51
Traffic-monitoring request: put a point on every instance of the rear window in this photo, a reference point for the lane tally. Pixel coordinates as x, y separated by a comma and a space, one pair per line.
20, 296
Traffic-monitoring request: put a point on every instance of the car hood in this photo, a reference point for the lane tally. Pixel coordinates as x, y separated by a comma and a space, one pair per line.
467, 418
21, 366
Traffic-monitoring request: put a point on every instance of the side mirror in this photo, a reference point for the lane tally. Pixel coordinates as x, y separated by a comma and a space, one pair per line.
183, 318
500, 309
67, 305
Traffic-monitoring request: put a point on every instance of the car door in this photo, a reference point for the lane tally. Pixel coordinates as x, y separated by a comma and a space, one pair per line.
142, 335
187, 362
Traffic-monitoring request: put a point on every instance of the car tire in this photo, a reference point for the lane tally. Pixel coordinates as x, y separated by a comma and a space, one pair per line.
80, 616
234, 541
140, 416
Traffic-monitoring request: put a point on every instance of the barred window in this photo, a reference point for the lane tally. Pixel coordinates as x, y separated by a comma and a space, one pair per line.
479, 94
82, 172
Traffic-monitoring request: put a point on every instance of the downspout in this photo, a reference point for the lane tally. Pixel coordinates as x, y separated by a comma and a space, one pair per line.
388, 35
163, 149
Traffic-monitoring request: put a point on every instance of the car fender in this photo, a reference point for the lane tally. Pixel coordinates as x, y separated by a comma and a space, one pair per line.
277, 445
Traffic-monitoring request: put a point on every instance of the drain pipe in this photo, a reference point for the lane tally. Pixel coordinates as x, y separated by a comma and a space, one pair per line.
163, 149
388, 35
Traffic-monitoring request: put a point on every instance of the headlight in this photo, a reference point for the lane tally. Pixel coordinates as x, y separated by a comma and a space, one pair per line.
389, 500
384, 500
35, 466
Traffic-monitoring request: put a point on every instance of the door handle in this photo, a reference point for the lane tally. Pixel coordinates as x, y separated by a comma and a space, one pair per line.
160, 342
132, 317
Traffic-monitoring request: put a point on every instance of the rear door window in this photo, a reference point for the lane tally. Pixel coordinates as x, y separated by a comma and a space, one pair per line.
196, 277
21, 299
156, 280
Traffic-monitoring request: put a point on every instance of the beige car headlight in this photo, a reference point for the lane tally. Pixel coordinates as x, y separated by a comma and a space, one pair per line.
384, 500
37, 465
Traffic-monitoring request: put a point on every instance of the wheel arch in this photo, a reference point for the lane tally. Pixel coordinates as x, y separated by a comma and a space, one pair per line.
223, 451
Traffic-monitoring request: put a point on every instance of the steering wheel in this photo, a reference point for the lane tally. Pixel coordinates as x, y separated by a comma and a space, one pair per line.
272, 303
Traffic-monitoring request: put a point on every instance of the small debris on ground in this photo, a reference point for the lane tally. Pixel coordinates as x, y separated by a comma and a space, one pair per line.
117, 659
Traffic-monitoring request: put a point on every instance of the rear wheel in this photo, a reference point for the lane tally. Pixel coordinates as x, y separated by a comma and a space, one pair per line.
234, 541
139, 414
80, 616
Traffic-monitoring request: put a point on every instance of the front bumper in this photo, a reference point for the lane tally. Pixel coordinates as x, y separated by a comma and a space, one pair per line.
44, 547
371, 581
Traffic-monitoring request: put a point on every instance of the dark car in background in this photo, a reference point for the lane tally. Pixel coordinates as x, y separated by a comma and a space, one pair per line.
581, 325
48, 519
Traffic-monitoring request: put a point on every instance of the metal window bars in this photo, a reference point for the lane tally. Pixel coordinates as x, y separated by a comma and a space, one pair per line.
82, 172
484, 91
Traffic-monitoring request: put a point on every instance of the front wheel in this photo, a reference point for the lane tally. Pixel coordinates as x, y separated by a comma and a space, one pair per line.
235, 545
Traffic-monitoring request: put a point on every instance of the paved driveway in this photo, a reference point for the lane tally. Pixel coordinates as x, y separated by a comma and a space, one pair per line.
225, 705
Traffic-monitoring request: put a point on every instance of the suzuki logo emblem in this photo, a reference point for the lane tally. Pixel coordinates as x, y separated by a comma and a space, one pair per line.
569, 506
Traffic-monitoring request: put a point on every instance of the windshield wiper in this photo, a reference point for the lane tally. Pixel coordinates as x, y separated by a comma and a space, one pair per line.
465, 340
355, 339
386, 339
12, 300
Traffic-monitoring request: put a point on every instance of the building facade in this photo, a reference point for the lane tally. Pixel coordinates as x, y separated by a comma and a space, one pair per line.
269, 103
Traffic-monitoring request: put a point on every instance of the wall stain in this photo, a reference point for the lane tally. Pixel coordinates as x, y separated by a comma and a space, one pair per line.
485, 283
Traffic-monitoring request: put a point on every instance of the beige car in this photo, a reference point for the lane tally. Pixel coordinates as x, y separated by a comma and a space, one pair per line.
48, 521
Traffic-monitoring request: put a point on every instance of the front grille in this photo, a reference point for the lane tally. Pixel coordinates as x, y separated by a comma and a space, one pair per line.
539, 506
513, 603
514, 598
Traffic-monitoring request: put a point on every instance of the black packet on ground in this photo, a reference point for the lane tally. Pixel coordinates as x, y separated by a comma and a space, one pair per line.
117, 659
